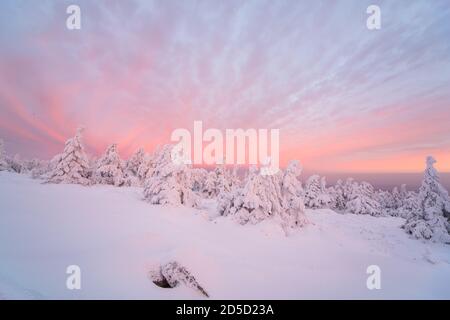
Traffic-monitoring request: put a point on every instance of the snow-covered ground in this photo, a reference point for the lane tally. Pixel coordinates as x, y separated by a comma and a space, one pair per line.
116, 239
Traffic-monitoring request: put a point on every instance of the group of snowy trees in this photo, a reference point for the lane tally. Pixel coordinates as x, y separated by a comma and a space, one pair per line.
277, 196
281, 196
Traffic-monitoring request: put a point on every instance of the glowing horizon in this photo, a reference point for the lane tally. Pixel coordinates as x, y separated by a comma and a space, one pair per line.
345, 99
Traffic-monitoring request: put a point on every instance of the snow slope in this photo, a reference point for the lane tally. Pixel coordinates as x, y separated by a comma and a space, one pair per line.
116, 238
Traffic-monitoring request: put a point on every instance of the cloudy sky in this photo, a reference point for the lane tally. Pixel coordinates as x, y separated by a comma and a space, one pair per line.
344, 98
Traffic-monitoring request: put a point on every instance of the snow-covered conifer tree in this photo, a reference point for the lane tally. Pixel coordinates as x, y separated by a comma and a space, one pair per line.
220, 180
316, 195
170, 182
292, 192
336, 193
198, 179
430, 221
209, 186
131, 170
3, 163
110, 168
16, 164
72, 165
146, 168
362, 200
259, 199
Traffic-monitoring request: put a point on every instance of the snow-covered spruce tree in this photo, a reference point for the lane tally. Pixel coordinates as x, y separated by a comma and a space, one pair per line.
362, 200
72, 165
219, 181
170, 182
146, 168
209, 186
3, 163
40, 170
223, 182
430, 221
258, 200
336, 193
198, 180
132, 168
410, 205
16, 164
316, 195
110, 168
292, 192
387, 201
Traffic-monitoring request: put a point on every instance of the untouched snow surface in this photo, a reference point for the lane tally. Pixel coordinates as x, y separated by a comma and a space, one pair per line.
116, 239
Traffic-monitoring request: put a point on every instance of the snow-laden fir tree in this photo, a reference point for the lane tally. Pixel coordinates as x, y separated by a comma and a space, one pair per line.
388, 201
170, 182
396, 203
72, 165
16, 164
431, 220
218, 181
132, 168
146, 168
209, 186
316, 195
41, 169
258, 200
336, 193
362, 200
3, 163
292, 193
110, 168
410, 205
198, 180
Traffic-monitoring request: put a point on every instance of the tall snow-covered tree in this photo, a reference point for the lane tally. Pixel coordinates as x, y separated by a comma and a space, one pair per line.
316, 195
292, 192
110, 168
362, 200
72, 165
430, 221
170, 182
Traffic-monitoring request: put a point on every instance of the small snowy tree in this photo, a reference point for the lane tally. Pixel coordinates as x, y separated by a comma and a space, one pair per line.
219, 181
292, 192
336, 192
170, 182
258, 200
198, 180
316, 195
209, 186
430, 221
40, 169
362, 200
410, 205
110, 169
3, 163
146, 168
16, 164
387, 201
72, 165
132, 168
